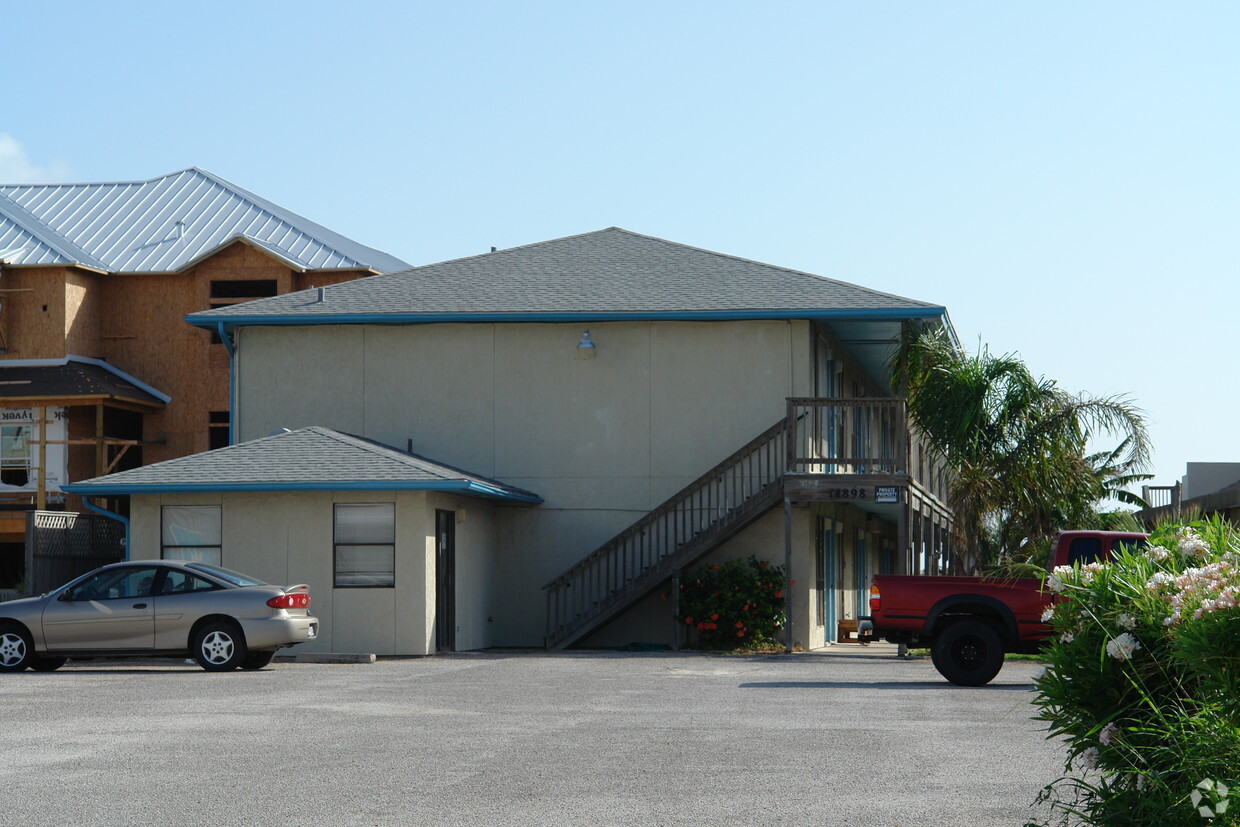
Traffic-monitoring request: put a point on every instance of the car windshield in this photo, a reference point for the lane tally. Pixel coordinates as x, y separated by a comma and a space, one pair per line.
228, 575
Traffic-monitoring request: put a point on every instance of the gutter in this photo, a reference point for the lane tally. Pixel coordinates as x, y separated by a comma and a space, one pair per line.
463, 487
124, 521
289, 319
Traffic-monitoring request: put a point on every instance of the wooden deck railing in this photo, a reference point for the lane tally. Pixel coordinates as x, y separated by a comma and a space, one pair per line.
848, 436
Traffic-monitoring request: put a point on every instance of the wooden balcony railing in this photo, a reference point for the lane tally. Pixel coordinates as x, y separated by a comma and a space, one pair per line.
1160, 496
861, 436
847, 436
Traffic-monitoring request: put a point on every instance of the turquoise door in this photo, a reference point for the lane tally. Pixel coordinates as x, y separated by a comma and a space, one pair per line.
862, 573
826, 576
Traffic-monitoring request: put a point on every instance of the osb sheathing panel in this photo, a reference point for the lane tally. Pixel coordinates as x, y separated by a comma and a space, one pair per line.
83, 303
32, 312
144, 333
304, 281
137, 322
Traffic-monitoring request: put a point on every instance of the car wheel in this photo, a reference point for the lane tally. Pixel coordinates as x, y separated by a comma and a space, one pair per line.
16, 650
257, 660
968, 652
219, 647
47, 664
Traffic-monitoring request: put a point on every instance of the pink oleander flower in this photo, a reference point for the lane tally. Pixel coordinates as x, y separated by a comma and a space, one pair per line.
1088, 759
1108, 735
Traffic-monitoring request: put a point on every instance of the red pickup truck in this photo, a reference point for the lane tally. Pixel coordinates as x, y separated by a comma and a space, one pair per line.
970, 622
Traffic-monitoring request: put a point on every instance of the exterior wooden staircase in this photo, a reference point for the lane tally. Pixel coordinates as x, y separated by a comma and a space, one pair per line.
673, 536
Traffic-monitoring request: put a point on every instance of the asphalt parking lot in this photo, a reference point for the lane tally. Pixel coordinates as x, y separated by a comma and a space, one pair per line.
515, 738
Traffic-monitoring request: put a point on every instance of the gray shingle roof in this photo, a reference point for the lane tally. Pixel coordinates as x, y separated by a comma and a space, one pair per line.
73, 377
611, 273
163, 225
308, 459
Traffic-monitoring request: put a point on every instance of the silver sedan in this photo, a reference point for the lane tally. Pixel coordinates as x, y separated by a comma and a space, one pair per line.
223, 619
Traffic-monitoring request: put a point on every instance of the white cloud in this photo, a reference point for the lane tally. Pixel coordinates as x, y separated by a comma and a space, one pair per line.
16, 168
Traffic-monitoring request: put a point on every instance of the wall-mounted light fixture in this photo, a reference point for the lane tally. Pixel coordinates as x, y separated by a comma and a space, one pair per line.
586, 348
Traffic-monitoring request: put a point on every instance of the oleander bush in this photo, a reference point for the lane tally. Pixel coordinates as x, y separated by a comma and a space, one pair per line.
1143, 681
735, 605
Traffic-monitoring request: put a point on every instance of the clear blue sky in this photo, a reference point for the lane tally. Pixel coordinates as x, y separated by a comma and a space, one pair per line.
1062, 176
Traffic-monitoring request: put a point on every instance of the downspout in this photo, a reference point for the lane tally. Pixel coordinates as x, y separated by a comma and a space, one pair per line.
231, 349
124, 521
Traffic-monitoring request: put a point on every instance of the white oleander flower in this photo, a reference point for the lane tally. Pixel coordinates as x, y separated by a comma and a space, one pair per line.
1190, 544
1122, 647
1126, 621
1158, 580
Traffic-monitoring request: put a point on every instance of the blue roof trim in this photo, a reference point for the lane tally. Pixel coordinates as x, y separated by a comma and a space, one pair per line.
212, 322
476, 489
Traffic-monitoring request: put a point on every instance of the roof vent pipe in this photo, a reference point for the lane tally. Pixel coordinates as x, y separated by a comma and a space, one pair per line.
322, 291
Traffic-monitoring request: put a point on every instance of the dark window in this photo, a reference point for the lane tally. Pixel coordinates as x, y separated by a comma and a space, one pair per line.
244, 290
217, 429
182, 582
1136, 543
1084, 550
229, 292
114, 584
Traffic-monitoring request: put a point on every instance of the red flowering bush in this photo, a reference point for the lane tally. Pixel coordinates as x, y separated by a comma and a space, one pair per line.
734, 605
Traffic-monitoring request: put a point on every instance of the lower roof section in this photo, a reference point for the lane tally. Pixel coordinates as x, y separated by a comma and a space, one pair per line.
72, 379
308, 459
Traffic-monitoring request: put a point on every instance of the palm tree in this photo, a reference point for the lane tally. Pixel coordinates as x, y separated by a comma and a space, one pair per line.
1015, 443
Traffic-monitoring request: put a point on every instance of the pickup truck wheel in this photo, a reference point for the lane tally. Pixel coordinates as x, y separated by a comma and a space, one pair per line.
968, 652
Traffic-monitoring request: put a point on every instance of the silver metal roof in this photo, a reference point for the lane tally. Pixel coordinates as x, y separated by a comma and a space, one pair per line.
164, 225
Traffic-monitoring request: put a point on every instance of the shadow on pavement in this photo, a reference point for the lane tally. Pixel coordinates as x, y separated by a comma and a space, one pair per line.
944, 685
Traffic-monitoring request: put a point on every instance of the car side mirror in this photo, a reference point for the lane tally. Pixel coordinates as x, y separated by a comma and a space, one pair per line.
64, 596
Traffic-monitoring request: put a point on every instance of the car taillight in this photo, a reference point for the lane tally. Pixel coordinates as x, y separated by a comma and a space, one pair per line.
299, 600
876, 599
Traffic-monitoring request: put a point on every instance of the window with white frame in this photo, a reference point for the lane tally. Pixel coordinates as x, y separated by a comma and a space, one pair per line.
365, 545
191, 532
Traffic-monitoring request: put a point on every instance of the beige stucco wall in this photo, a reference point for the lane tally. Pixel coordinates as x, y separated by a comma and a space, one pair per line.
602, 440
286, 538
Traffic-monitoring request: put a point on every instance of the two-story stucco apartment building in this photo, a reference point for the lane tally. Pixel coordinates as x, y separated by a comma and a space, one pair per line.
525, 447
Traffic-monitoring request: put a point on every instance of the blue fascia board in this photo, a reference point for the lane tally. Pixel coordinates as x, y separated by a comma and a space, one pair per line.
466, 487
884, 314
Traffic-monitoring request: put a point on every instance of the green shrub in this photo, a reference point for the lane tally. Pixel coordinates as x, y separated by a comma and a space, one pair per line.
734, 605
1143, 681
